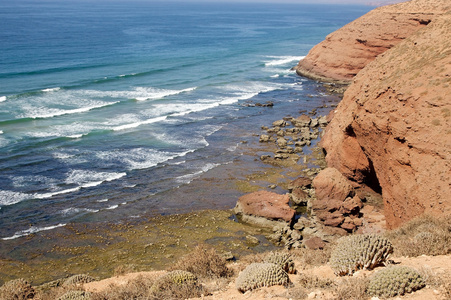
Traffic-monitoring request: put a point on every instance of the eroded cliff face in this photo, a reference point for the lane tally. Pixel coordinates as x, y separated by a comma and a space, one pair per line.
393, 126
346, 51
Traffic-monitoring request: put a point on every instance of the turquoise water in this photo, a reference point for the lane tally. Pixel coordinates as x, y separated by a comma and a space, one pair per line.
106, 106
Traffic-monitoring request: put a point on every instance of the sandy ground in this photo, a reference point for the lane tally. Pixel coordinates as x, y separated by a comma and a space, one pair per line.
433, 266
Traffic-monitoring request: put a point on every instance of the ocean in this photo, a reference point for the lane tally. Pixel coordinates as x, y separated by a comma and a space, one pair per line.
109, 108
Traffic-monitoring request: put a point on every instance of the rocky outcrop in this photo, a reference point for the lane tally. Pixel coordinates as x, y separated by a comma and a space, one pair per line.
264, 208
336, 203
346, 51
392, 129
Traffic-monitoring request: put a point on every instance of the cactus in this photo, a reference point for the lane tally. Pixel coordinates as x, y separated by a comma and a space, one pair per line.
357, 252
281, 259
177, 277
395, 280
258, 275
78, 279
76, 295
17, 289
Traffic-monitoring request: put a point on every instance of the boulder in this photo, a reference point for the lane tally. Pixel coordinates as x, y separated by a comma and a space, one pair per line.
302, 182
264, 204
298, 196
331, 185
301, 121
315, 243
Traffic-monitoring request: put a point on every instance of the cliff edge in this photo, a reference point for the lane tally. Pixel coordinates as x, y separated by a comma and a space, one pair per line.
392, 130
346, 51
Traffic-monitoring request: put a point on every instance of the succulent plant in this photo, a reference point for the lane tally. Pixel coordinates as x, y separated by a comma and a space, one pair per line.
177, 277
357, 252
17, 289
78, 279
258, 275
76, 295
395, 280
281, 259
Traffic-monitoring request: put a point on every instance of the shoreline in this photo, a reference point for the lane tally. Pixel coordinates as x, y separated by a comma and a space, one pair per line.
85, 247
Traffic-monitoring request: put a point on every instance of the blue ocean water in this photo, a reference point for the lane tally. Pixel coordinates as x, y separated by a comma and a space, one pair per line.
108, 106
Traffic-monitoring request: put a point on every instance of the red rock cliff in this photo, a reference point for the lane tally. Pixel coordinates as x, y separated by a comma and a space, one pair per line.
393, 126
346, 51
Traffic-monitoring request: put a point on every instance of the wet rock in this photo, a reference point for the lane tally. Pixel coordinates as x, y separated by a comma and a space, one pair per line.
281, 156
265, 157
252, 240
301, 121
302, 182
279, 123
298, 196
264, 138
281, 142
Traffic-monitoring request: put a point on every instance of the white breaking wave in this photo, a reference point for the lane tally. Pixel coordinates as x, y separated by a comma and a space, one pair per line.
10, 197
84, 179
31, 230
161, 93
113, 206
282, 60
139, 123
73, 210
51, 194
185, 179
87, 178
138, 158
2, 98
45, 112
51, 89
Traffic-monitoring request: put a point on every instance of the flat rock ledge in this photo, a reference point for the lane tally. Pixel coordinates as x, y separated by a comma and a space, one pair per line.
265, 208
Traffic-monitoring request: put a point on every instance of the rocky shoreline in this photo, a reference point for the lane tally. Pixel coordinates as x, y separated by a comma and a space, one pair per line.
153, 243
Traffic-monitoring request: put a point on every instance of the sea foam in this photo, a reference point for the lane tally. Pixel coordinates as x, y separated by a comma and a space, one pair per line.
153, 94
51, 89
31, 230
282, 60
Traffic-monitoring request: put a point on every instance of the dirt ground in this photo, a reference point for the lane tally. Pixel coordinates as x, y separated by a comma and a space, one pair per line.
431, 266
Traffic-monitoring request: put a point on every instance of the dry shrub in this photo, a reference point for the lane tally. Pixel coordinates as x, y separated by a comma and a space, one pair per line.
423, 235
139, 288
143, 288
440, 282
351, 289
297, 292
124, 269
169, 290
311, 282
309, 257
203, 262
17, 289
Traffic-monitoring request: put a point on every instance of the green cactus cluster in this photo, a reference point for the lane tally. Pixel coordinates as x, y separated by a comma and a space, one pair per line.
282, 259
17, 289
78, 279
395, 280
357, 252
259, 275
76, 295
